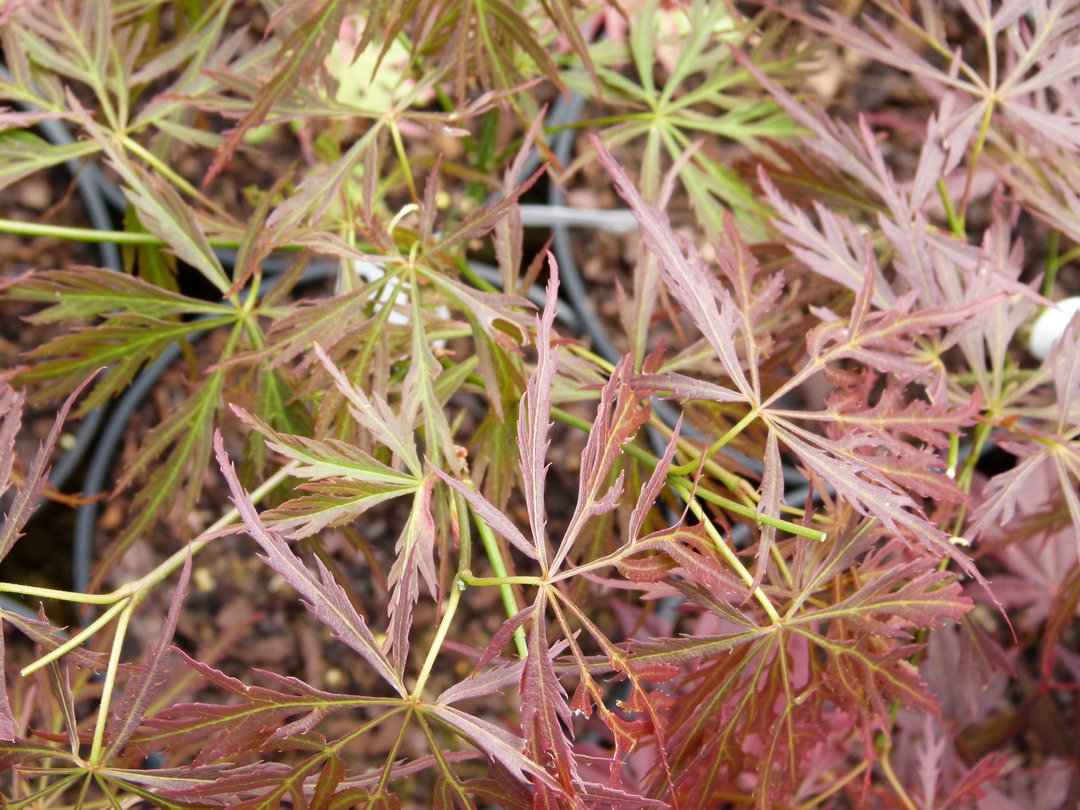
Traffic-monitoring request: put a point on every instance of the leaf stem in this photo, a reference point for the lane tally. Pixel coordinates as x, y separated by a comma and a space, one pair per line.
92, 235
473, 277
167, 172
1008, 375
126, 597
384, 778
403, 159
728, 554
758, 517
901, 794
468, 578
954, 455
440, 637
75, 640
963, 480
976, 152
781, 564
107, 789
444, 766
982, 434
835, 787
593, 358
63, 596
110, 679
498, 565
692, 465
955, 225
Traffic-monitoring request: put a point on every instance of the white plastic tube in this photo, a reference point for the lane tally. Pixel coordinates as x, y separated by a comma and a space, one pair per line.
1050, 326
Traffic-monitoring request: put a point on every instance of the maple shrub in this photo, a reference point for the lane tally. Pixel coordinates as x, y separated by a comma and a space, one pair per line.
766, 504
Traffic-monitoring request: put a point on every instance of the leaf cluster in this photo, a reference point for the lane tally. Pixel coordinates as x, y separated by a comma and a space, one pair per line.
758, 559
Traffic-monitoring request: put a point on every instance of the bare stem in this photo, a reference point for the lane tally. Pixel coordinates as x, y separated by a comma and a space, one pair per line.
110, 680
75, 640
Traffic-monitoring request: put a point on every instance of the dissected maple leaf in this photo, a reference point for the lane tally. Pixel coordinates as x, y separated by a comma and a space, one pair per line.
140, 690
545, 715
256, 720
415, 551
621, 413
324, 597
301, 51
344, 481
23, 505
25, 502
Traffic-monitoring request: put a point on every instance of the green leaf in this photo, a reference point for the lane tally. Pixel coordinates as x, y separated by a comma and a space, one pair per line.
419, 404
374, 414
23, 153
86, 292
166, 216
325, 321
161, 209
127, 343
332, 502
320, 459
414, 554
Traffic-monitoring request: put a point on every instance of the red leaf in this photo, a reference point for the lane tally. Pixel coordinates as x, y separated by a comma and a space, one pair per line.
494, 518
25, 502
8, 730
497, 743
534, 419
415, 553
141, 689
326, 600
686, 277
255, 720
621, 413
544, 713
